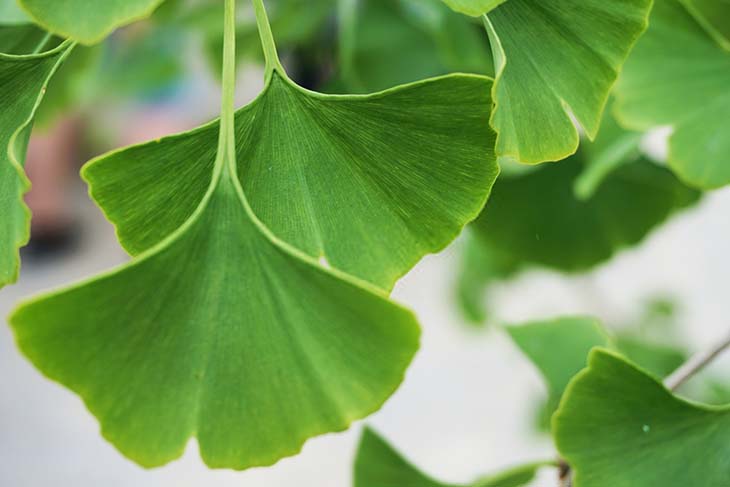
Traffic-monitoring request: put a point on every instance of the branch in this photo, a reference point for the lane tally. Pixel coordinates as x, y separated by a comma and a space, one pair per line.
695, 364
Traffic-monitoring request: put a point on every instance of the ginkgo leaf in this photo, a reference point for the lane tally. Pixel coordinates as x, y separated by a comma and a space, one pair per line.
555, 58
618, 426
474, 8
558, 348
87, 21
557, 230
379, 465
371, 183
23, 79
679, 76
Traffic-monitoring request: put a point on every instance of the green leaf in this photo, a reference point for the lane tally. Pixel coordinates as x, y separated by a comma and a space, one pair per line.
474, 8
23, 79
679, 76
658, 359
371, 183
431, 40
87, 21
555, 58
557, 230
619, 426
612, 148
379, 465
11, 13
559, 348
480, 267
714, 16
224, 333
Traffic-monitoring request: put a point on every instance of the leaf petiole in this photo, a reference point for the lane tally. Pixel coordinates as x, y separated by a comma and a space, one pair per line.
267, 39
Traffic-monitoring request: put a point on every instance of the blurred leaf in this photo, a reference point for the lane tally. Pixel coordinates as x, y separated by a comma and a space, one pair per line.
72, 87
11, 13
557, 230
678, 75
87, 21
659, 360
372, 183
388, 43
612, 148
23, 79
555, 58
714, 16
379, 465
480, 267
23, 39
558, 348
619, 426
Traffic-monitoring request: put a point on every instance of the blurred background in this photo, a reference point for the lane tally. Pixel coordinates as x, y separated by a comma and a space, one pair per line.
471, 403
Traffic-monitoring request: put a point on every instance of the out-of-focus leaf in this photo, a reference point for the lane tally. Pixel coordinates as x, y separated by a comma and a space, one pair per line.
613, 147
678, 75
23, 79
618, 426
11, 13
480, 267
714, 16
538, 218
87, 21
378, 465
24, 39
559, 348
660, 360
555, 58
387, 43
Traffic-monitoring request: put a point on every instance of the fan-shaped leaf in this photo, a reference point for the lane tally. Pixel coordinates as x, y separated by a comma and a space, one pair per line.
23, 79
618, 426
221, 332
678, 75
554, 58
371, 183
87, 21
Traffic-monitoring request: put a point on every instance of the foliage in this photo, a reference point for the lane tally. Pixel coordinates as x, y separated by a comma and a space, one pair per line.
254, 312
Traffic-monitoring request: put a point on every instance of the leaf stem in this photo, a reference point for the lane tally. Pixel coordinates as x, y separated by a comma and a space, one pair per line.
226, 137
267, 39
695, 365
43, 43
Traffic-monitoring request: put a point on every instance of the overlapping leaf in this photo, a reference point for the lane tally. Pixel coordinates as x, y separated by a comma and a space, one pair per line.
23, 79
679, 75
379, 465
714, 16
371, 183
620, 427
558, 230
559, 348
87, 21
554, 58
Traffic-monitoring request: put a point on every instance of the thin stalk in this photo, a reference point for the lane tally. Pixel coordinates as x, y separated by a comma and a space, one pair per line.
43, 43
267, 39
226, 137
695, 365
